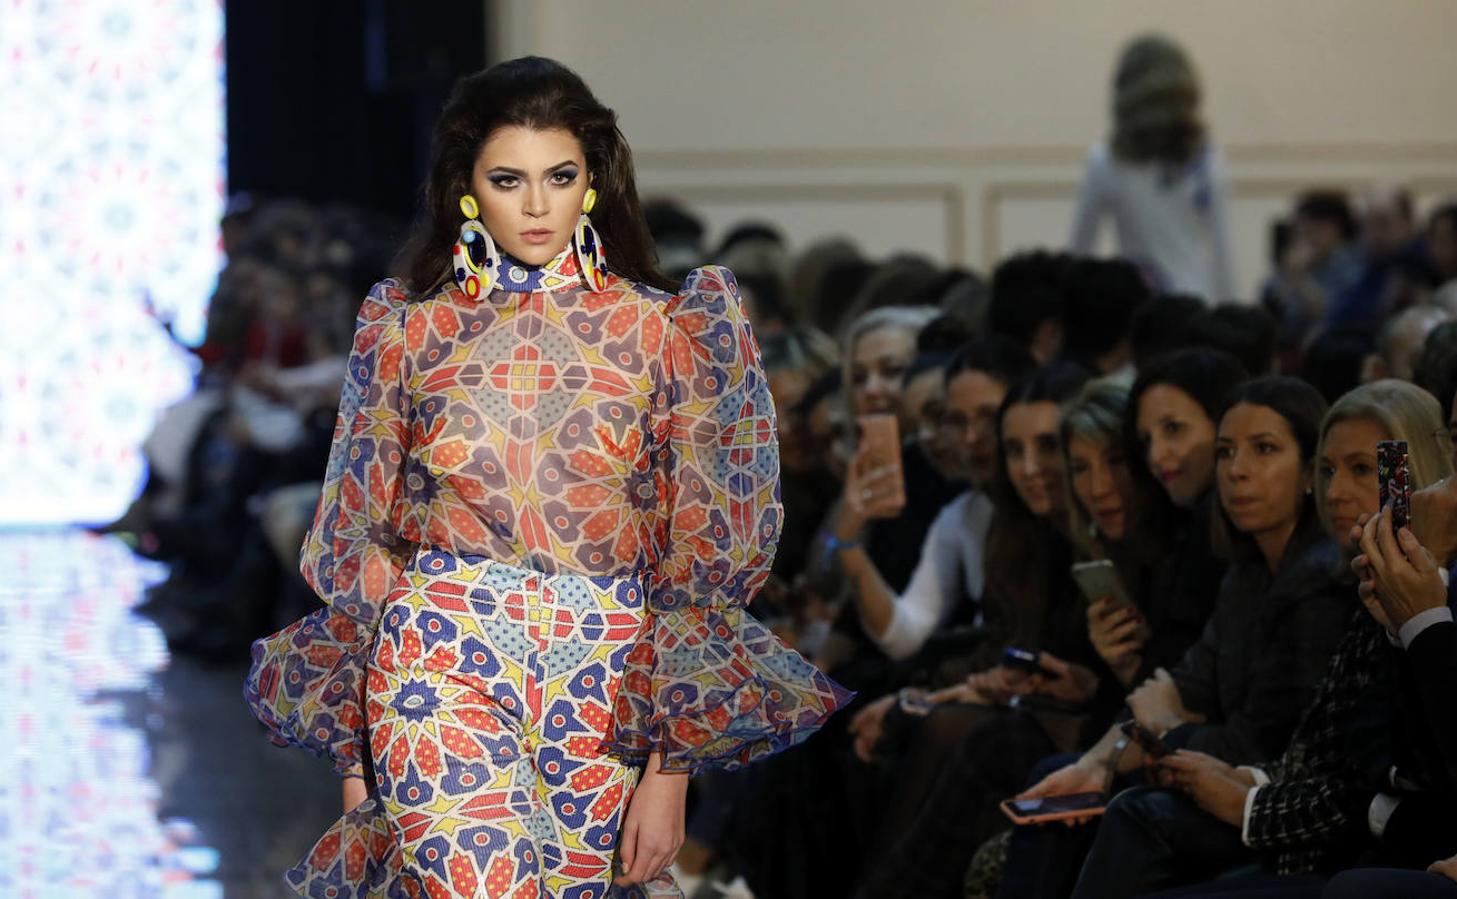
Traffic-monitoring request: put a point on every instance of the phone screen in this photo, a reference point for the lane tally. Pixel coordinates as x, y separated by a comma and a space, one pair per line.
1393, 471
1052, 805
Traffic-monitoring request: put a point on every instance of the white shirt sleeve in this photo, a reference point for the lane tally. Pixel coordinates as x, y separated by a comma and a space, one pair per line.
1420, 622
1222, 279
1244, 827
955, 539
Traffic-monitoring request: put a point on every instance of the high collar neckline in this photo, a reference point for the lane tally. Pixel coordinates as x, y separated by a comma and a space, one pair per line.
560, 273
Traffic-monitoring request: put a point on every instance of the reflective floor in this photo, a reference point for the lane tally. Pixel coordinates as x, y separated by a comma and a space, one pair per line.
128, 773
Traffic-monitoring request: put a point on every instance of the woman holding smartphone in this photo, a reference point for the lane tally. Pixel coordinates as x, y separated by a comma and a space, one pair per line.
1310, 810
1238, 691
972, 746
1168, 443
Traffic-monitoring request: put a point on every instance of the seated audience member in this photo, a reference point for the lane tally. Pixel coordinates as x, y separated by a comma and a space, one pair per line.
1238, 692
1319, 263
794, 360
1401, 341
1436, 366
1169, 440
1390, 251
1442, 242
1161, 327
949, 572
1026, 301
1313, 808
1031, 603
1099, 299
1336, 361
1403, 585
1247, 333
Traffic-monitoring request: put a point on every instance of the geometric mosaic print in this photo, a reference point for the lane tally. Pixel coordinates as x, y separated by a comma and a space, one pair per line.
487, 696
543, 515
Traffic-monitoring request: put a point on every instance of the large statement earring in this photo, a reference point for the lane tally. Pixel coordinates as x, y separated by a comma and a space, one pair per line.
475, 256
591, 258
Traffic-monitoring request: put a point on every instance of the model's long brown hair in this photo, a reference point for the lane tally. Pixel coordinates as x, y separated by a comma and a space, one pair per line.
537, 93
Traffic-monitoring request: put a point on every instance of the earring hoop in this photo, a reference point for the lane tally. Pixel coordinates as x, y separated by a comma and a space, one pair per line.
591, 258
474, 256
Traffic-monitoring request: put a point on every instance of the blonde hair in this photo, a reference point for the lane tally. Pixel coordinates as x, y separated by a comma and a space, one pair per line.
901, 318
1407, 412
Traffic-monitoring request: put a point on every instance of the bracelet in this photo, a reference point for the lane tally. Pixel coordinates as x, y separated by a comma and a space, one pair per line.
834, 544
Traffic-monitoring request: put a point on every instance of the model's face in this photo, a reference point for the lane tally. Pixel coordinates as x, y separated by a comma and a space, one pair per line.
972, 400
1101, 482
877, 363
1179, 439
1034, 456
1262, 479
529, 185
1347, 472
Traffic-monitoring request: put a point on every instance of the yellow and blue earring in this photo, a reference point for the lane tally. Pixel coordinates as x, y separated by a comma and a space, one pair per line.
475, 255
591, 257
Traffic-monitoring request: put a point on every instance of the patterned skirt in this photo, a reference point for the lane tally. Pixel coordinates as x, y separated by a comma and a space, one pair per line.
487, 695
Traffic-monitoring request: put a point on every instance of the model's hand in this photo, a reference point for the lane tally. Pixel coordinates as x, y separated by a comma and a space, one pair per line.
1404, 576
1157, 706
1116, 632
1216, 787
653, 829
1073, 684
867, 726
355, 792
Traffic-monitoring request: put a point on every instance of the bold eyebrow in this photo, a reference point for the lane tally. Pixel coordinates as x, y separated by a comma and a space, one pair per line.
1263, 434
507, 170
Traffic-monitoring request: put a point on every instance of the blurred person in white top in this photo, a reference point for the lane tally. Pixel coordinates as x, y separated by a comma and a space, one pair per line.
1159, 178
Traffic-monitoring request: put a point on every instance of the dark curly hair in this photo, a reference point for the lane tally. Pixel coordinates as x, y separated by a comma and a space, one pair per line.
542, 94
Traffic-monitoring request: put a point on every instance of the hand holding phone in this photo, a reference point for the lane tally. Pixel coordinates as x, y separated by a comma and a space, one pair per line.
1099, 580
1054, 808
1027, 661
880, 451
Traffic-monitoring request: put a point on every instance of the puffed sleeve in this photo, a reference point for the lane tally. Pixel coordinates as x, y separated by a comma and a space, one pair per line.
306, 683
706, 684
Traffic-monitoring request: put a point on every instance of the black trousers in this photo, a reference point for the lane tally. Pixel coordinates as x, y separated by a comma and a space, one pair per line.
1389, 883
1152, 839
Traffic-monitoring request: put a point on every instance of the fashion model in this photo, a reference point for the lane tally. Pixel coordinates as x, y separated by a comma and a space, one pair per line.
553, 488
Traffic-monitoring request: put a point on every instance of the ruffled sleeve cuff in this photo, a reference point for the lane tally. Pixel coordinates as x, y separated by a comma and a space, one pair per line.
715, 689
306, 686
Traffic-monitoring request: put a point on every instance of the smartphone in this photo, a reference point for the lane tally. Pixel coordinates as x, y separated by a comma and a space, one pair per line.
880, 438
1152, 745
1025, 660
1099, 580
1054, 808
1393, 470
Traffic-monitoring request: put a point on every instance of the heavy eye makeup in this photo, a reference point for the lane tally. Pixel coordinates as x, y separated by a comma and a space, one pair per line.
563, 174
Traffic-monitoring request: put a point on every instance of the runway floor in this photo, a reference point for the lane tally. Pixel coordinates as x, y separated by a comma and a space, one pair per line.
130, 773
